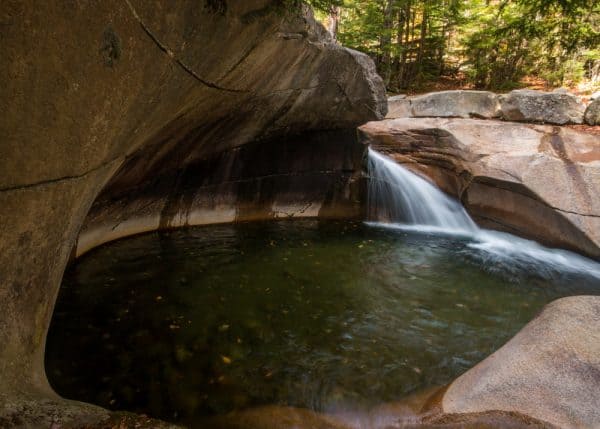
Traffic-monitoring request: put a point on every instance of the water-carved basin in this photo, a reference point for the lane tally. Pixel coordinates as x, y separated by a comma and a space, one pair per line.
325, 315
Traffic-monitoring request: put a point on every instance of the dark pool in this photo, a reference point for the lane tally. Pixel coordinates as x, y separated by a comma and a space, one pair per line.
325, 315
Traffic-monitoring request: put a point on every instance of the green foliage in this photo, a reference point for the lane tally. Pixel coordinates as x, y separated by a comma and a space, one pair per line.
495, 43
325, 5
503, 42
407, 38
318, 5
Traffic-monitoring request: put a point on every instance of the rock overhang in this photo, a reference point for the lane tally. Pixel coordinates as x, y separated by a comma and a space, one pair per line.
131, 88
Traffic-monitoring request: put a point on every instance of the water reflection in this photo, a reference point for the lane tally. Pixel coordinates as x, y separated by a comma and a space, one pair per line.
329, 316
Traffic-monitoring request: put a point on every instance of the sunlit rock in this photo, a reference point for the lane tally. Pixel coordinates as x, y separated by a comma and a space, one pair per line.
535, 181
398, 107
463, 104
550, 370
558, 107
592, 113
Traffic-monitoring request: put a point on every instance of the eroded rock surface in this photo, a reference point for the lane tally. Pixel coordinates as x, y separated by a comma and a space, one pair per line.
550, 370
315, 174
526, 105
136, 90
535, 181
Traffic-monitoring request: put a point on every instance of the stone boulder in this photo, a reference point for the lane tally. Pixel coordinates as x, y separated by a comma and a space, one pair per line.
398, 107
445, 104
550, 370
558, 107
461, 104
536, 181
592, 113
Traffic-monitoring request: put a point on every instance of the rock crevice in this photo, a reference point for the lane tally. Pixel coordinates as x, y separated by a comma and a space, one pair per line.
171, 54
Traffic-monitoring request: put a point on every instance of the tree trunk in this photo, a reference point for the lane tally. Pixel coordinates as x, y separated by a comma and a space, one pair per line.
404, 32
422, 39
334, 19
400, 48
386, 43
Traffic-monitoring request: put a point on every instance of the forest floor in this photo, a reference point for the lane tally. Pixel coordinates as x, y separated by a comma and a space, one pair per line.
460, 81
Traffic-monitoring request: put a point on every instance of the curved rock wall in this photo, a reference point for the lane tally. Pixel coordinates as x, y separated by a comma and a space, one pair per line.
314, 174
531, 180
141, 89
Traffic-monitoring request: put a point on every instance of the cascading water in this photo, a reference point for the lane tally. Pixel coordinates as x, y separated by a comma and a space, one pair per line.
399, 198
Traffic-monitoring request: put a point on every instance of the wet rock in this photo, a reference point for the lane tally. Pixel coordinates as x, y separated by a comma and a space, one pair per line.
535, 181
308, 175
592, 113
402, 414
558, 107
268, 417
486, 420
550, 370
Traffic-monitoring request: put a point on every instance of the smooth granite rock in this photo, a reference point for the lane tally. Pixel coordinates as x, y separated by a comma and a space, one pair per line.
536, 181
550, 370
462, 104
123, 92
398, 107
445, 104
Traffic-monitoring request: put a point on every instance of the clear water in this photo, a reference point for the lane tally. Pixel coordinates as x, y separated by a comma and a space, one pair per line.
325, 315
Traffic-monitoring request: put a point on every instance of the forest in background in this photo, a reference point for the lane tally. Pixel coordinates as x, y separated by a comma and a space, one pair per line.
482, 44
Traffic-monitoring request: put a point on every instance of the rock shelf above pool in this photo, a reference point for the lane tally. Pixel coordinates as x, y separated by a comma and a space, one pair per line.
536, 181
523, 105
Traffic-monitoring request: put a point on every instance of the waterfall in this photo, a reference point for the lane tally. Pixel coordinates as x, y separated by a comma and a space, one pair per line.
400, 199
399, 196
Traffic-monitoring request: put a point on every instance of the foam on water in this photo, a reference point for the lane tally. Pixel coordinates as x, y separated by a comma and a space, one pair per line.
400, 199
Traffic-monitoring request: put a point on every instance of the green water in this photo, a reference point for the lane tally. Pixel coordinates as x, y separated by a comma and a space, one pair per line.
328, 316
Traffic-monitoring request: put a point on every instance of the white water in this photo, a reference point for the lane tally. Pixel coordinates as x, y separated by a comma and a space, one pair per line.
400, 199
400, 196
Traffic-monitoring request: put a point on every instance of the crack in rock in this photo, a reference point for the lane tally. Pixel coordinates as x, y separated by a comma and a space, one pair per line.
60, 179
171, 54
